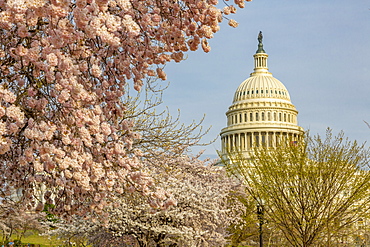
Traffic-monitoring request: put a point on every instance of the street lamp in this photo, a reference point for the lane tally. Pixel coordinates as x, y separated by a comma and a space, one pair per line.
260, 212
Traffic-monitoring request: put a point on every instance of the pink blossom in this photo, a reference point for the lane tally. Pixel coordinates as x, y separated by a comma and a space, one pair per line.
206, 31
52, 59
31, 91
95, 70
161, 74
22, 51
226, 10
131, 25
2, 128
156, 18
68, 174
124, 4
205, 46
233, 23
13, 128
38, 166
105, 128
2, 111
7, 95
15, 113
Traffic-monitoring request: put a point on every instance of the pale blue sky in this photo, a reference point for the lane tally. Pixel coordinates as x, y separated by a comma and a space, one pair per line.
319, 49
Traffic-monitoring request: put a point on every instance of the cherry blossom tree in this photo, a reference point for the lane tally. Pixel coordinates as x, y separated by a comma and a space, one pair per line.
191, 209
64, 67
15, 221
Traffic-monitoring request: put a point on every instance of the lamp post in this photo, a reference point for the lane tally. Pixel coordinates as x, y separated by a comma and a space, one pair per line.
260, 212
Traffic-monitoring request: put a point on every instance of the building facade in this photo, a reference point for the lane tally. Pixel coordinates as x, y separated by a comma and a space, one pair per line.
261, 113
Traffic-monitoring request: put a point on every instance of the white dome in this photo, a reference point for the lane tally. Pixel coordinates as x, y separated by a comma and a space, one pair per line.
261, 114
261, 86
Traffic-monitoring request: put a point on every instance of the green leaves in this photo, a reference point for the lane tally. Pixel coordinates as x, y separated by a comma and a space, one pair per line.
312, 189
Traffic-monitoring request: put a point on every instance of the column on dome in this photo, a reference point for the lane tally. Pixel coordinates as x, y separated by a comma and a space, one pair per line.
222, 144
245, 141
252, 140
229, 143
239, 142
233, 142
225, 143
242, 141
248, 140
260, 138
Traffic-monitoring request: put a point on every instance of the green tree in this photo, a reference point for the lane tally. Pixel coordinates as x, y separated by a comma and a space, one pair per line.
313, 191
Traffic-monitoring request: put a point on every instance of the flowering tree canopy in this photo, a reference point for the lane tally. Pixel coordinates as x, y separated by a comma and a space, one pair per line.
64, 66
192, 208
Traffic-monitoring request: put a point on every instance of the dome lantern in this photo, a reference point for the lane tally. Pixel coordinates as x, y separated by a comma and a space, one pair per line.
260, 58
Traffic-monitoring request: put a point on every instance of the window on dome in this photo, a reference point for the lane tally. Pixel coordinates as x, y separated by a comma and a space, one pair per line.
245, 117
262, 91
275, 116
240, 118
247, 92
251, 116
289, 118
263, 116
268, 116
257, 119
252, 91
275, 92
284, 117
256, 91
280, 117
244, 93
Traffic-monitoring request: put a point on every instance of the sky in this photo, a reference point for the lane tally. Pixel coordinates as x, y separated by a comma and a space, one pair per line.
319, 49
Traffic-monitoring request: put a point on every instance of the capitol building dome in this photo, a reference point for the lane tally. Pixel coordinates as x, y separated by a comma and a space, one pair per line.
261, 113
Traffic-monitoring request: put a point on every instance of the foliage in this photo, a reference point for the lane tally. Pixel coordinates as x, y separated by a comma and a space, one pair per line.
313, 191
